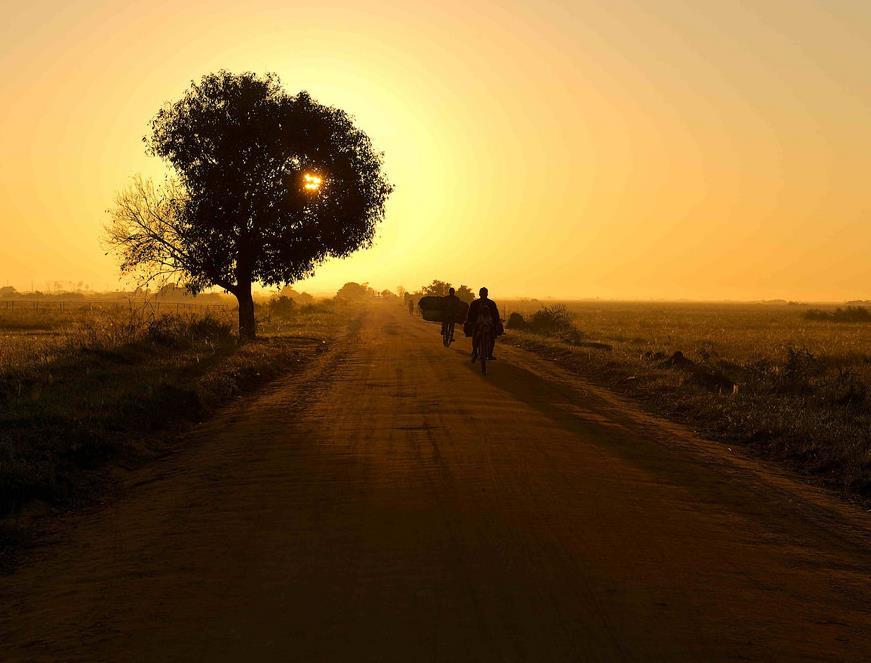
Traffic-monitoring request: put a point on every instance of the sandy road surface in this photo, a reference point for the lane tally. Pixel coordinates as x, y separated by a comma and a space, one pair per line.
394, 505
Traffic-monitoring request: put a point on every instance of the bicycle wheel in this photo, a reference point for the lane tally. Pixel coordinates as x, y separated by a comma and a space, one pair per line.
483, 348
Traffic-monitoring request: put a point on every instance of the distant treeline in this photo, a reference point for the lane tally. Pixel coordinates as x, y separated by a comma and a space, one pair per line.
169, 292
848, 314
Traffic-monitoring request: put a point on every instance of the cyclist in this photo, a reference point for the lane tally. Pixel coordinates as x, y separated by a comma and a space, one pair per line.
483, 312
451, 306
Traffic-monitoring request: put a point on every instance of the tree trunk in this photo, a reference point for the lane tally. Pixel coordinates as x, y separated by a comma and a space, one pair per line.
247, 324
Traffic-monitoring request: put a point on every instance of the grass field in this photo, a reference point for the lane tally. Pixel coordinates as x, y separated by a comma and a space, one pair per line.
81, 388
741, 332
761, 375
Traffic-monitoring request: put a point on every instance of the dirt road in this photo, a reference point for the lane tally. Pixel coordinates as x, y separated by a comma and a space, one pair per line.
394, 505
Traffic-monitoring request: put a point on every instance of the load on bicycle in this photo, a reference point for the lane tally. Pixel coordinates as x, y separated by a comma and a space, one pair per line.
480, 321
448, 310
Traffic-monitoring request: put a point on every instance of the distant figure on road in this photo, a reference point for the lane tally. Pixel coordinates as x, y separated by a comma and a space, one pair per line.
410, 306
483, 312
451, 307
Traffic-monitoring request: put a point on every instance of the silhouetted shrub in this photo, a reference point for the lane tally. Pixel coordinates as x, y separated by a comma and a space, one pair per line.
551, 320
211, 329
178, 331
516, 321
281, 307
849, 314
572, 336
678, 360
799, 372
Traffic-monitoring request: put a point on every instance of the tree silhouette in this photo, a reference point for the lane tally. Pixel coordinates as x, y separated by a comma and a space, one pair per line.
436, 288
265, 186
352, 291
465, 294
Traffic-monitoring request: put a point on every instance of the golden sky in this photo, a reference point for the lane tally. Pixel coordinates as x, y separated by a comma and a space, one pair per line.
650, 149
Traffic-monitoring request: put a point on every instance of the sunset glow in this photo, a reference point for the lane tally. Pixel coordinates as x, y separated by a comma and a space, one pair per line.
702, 150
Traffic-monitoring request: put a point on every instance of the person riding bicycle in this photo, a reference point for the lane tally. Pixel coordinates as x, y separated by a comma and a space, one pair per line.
483, 312
451, 306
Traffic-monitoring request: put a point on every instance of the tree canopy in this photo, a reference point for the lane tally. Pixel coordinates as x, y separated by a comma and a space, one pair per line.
465, 294
353, 291
264, 187
436, 288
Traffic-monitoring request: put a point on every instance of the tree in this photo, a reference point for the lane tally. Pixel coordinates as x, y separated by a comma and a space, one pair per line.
170, 291
304, 299
264, 187
299, 298
436, 288
281, 306
353, 292
465, 294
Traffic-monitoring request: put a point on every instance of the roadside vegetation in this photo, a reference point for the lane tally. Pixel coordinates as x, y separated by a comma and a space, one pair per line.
848, 314
784, 381
80, 389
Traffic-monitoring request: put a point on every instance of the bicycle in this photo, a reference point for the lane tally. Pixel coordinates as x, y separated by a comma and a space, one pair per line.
484, 348
447, 333
482, 341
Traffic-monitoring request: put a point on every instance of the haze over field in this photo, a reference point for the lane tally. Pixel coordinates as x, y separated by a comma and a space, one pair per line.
676, 149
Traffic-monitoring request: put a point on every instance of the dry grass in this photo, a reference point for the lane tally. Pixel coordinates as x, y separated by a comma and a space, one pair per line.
760, 375
78, 390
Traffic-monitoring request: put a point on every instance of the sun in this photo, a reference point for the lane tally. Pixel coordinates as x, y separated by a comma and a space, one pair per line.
312, 182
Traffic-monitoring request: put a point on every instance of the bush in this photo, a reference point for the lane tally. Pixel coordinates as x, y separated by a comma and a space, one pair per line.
572, 336
281, 307
551, 320
211, 329
516, 321
799, 372
178, 331
849, 314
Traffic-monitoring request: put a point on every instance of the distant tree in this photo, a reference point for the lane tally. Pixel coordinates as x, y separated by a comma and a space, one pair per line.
281, 306
265, 186
8, 291
516, 321
387, 294
436, 288
400, 292
353, 292
465, 293
170, 291
299, 298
